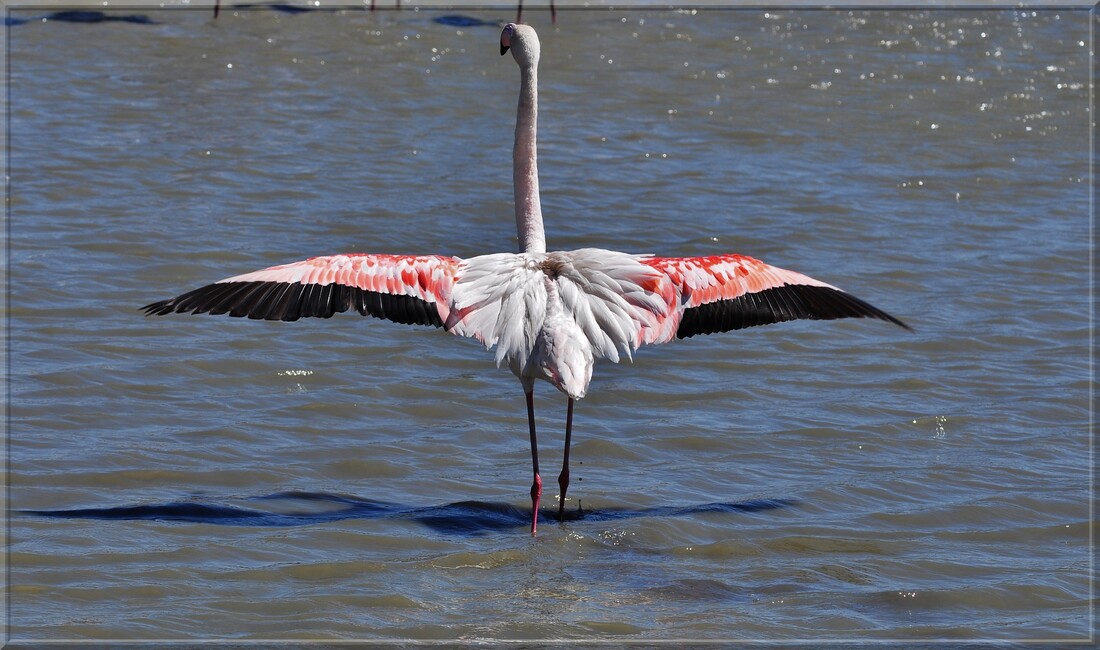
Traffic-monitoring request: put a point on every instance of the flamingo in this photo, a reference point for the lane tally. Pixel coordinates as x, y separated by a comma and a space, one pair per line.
553, 13
519, 10
549, 315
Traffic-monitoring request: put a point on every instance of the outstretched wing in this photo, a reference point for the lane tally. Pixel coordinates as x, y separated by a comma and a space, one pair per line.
728, 292
409, 289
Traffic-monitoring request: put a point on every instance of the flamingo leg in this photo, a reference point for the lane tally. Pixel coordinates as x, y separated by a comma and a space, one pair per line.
536, 486
563, 478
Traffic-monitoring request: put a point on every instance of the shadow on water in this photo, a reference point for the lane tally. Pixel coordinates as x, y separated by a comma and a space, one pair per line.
77, 16
451, 20
461, 518
93, 17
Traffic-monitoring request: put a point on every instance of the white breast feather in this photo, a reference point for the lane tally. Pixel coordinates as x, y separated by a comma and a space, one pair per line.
604, 292
501, 300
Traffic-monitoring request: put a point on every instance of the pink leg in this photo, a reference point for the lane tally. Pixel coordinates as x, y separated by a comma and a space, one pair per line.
563, 478
536, 486
519, 12
553, 14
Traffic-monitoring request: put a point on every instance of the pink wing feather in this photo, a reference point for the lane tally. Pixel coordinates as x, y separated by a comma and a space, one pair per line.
720, 293
412, 289
708, 279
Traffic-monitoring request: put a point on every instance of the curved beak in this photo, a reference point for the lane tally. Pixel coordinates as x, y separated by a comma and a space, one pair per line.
503, 48
505, 40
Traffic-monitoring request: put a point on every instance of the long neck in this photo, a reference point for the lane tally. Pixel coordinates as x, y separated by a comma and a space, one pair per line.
525, 171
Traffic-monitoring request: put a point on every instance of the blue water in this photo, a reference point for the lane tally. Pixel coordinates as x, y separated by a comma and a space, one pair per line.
199, 478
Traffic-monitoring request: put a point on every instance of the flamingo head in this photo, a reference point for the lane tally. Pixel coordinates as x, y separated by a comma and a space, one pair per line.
523, 41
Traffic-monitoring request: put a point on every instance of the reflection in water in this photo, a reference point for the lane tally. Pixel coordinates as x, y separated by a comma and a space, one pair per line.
461, 517
95, 17
74, 16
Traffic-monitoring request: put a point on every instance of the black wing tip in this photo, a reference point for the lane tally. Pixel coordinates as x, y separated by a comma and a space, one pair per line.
161, 307
283, 301
868, 310
777, 305
158, 308
896, 321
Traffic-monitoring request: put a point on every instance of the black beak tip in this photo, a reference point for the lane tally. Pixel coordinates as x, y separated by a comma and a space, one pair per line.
503, 49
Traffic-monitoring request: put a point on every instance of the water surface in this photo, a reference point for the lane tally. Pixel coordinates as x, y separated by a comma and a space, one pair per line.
213, 478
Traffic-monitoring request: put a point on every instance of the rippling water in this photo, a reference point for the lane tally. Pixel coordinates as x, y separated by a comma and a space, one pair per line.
201, 477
